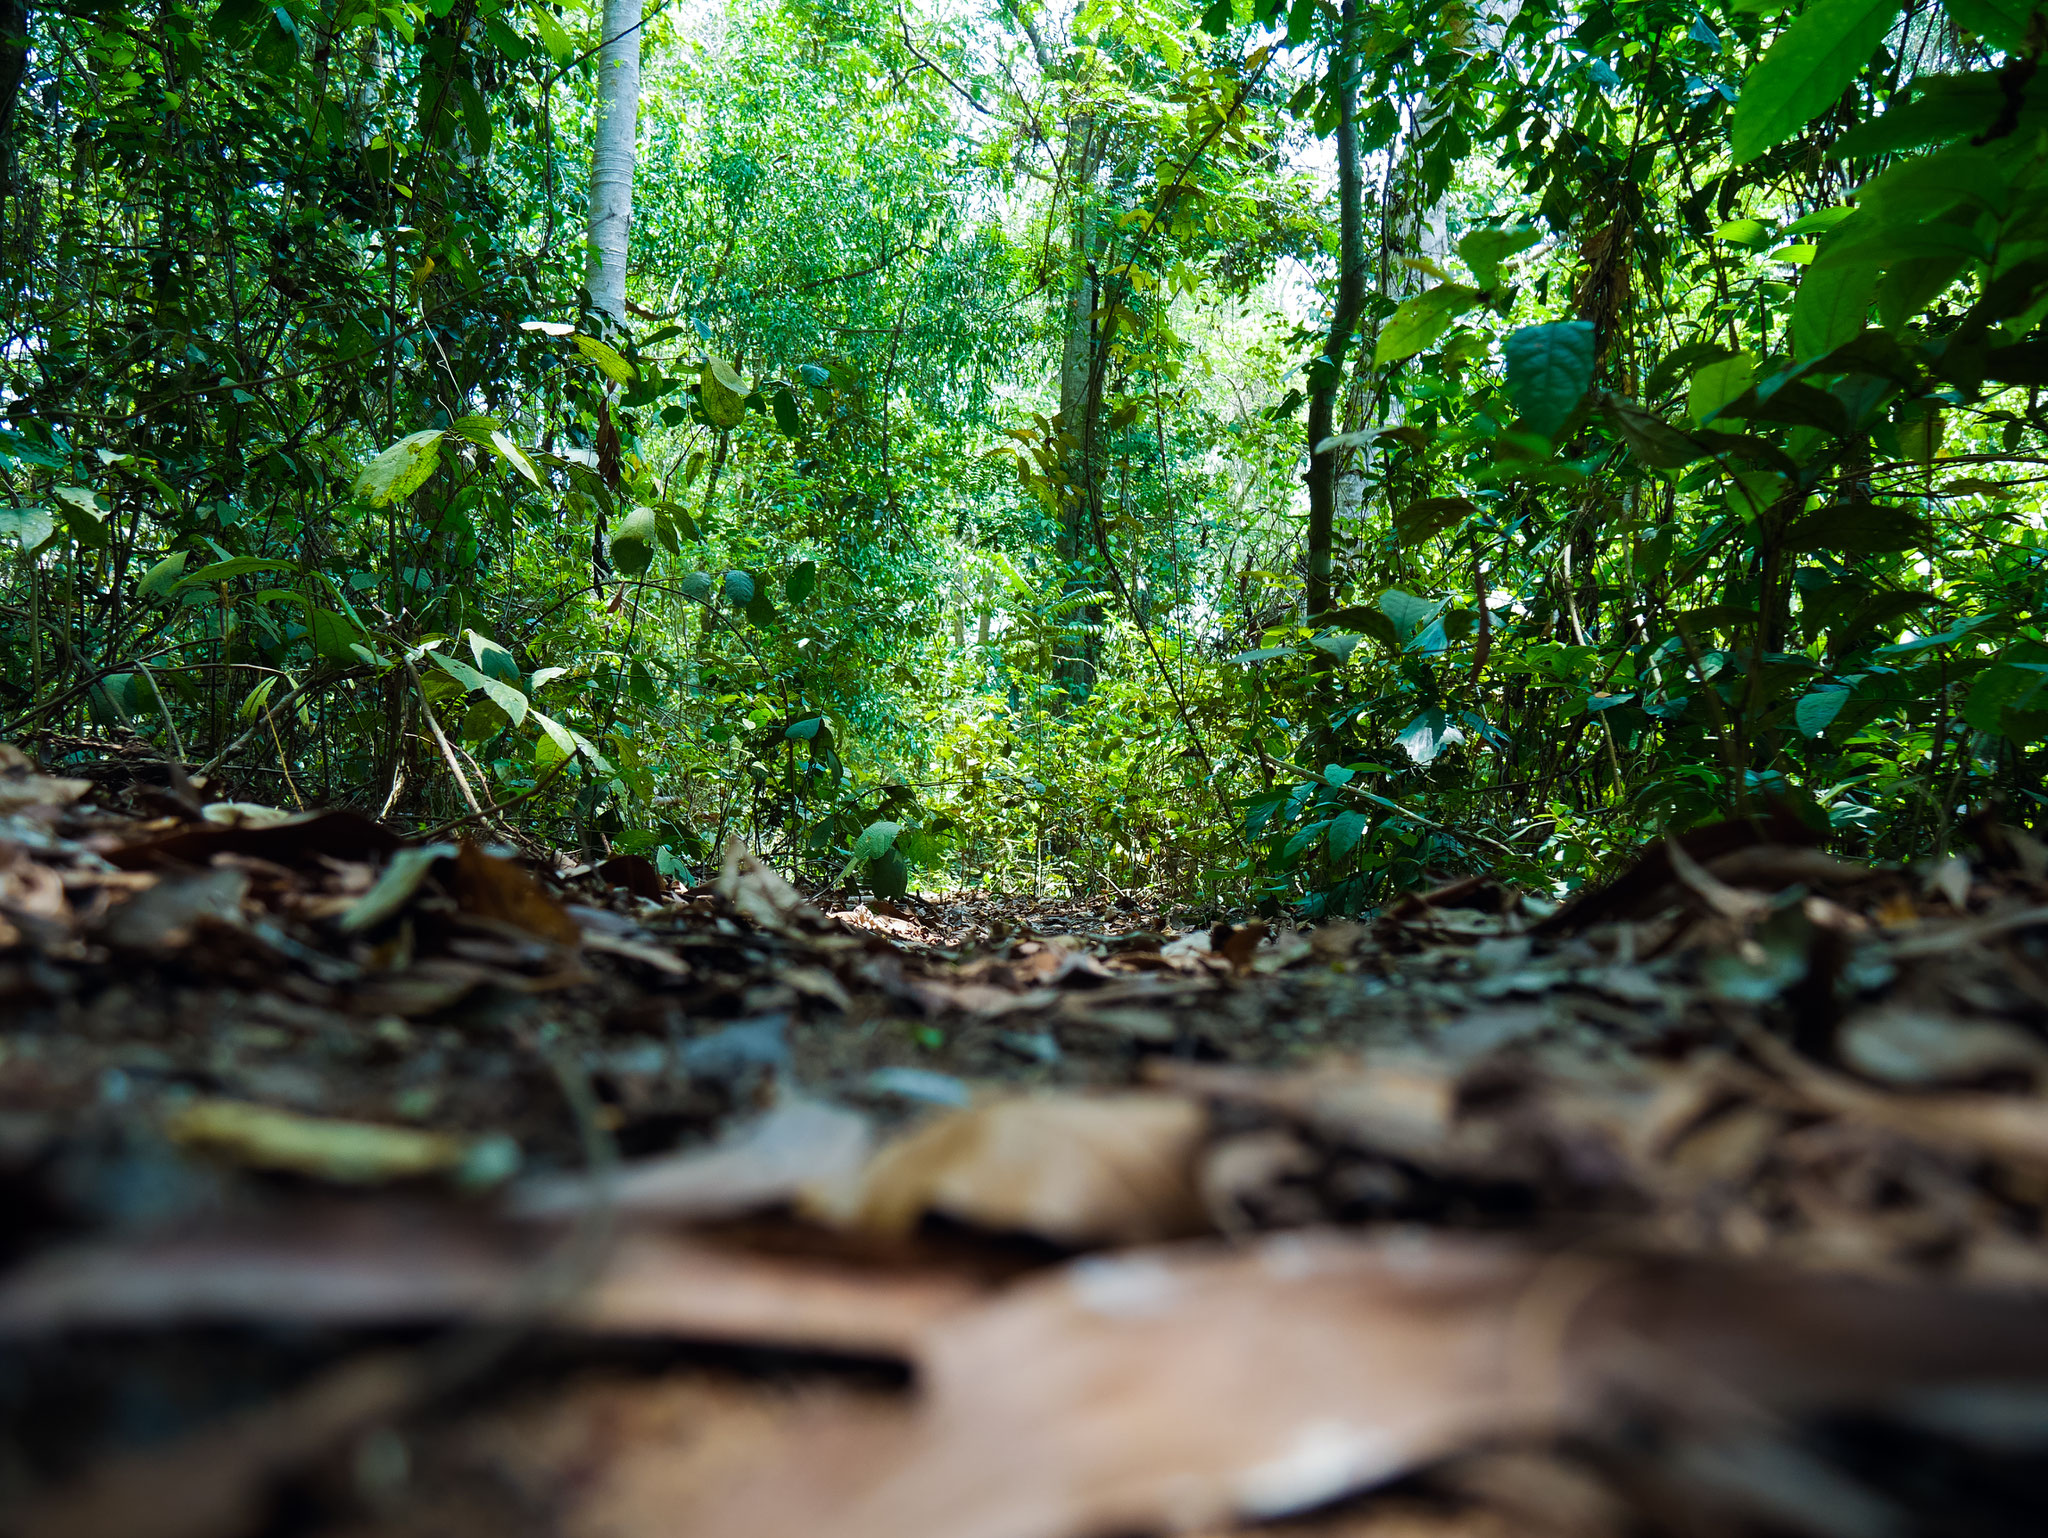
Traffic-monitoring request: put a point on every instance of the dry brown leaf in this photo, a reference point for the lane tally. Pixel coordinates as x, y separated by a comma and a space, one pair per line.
1078, 1170
164, 918
215, 1483
761, 896
1169, 1391
380, 1271
498, 889
799, 1146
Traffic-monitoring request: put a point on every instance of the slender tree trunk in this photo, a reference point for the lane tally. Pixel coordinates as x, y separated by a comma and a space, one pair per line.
611, 156
1329, 369
14, 15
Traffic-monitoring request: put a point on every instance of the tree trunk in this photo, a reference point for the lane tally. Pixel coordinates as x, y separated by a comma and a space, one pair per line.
14, 16
1329, 369
611, 156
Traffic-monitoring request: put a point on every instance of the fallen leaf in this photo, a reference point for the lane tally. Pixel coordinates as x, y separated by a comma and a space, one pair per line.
800, 1145
1077, 1170
348, 1152
163, 918
1166, 1390
762, 897
498, 889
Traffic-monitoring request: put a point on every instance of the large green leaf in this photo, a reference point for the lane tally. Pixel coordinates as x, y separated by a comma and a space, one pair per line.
722, 393
159, 579
399, 471
606, 357
875, 840
1831, 308
1421, 320
1806, 70
1406, 612
82, 515
2003, 23
497, 691
32, 526
1719, 383
1485, 250
1817, 710
1857, 528
633, 541
1550, 368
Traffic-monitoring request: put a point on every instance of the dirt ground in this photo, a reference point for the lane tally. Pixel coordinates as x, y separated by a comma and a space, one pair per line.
361, 1186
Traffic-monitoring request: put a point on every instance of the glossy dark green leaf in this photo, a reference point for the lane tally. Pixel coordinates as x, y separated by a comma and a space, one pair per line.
1549, 370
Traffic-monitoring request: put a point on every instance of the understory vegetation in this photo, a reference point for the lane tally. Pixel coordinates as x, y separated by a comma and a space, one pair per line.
1262, 453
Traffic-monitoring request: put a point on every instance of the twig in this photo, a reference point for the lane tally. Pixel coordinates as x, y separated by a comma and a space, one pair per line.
491, 811
441, 738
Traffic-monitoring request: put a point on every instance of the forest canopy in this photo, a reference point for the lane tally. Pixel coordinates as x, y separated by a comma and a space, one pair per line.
1270, 453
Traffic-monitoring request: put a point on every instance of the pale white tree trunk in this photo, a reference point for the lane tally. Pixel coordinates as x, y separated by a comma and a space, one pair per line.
611, 155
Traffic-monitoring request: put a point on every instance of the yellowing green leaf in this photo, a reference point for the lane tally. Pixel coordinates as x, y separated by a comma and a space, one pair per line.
722, 393
605, 357
399, 471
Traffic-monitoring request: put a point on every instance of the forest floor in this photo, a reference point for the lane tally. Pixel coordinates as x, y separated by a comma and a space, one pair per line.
358, 1187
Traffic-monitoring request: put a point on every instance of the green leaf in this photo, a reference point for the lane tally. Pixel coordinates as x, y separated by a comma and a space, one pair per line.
2003, 23
555, 743
1421, 320
495, 661
239, 566
1857, 528
788, 421
739, 588
875, 840
399, 471
1817, 710
1717, 384
1431, 516
498, 692
890, 875
1346, 829
1485, 250
698, 586
1745, 232
2004, 684
1806, 70
560, 46
1407, 613
722, 393
82, 515
1338, 644
1550, 368
1650, 438
334, 636
801, 582
32, 526
256, 699
632, 542
514, 456
605, 357
160, 578
1428, 735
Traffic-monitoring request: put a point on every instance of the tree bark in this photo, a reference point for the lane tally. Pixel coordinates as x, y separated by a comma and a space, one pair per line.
1329, 369
612, 156
14, 16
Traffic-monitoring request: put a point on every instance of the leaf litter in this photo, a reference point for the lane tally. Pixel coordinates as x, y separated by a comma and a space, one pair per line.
371, 1187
